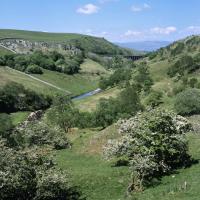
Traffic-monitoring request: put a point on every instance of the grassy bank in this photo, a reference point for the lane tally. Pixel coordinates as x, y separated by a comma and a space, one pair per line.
100, 181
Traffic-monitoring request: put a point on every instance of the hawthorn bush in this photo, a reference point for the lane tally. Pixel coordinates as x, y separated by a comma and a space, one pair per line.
154, 143
32, 176
38, 134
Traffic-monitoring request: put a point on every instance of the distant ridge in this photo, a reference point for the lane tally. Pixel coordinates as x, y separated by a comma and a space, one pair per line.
145, 45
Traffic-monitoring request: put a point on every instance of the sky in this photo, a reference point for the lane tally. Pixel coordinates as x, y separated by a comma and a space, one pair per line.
115, 20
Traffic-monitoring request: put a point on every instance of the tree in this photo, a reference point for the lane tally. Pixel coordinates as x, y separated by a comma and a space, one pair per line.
143, 78
117, 62
63, 113
129, 101
106, 112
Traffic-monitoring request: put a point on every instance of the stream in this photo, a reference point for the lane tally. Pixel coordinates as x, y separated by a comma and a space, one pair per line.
91, 93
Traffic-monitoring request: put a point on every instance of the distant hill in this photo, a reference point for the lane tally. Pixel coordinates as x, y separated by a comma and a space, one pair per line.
189, 46
145, 45
31, 39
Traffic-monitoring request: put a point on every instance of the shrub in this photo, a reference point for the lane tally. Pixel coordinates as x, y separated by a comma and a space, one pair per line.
39, 134
34, 69
32, 175
185, 64
155, 144
63, 113
5, 125
143, 78
154, 99
14, 97
188, 102
55, 186
119, 76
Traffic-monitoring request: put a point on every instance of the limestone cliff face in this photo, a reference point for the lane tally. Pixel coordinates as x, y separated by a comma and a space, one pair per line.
26, 46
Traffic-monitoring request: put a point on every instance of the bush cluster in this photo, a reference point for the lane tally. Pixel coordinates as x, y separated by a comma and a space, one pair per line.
14, 97
154, 143
54, 61
185, 64
28, 175
188, 102
119, 76
39, 134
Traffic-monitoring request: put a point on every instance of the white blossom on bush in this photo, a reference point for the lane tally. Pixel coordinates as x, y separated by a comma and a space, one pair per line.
153, 141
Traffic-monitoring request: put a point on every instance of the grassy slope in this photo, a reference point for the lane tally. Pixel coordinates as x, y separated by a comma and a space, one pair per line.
165, 59
92, 67
38, 36
89, 103
4, 51
100, 181
8, 75
77, 84
97, 178
88, 43
19, 117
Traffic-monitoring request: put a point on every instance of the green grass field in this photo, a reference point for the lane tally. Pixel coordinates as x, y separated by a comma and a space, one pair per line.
18, 117
91, 67
89, 103
76, 84
97, 178
38, 36
8, 75
100, 181
4, 51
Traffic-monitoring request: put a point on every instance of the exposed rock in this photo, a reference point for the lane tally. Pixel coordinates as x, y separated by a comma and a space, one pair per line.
26, 46
35, 116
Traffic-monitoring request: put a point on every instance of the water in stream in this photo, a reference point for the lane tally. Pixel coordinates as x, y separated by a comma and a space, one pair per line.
98, 90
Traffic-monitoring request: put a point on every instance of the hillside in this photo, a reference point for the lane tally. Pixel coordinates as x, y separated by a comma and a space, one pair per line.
60, 40
170, 64
76, 84
96, 177
189, 45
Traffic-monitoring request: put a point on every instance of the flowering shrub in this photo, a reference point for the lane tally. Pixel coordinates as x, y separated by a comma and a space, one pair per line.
154, 142
32, 176
38, 133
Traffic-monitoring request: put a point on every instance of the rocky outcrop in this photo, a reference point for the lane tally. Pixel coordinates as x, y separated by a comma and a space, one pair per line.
26, 46
35, 116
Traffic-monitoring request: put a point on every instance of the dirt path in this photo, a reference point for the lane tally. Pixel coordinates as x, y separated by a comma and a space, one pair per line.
44, 82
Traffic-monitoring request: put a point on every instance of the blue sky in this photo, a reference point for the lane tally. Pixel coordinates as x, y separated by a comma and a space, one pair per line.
116, 20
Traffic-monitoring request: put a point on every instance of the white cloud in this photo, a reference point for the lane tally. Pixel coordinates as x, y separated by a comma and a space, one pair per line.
131, 33
193, 29
164, 30
139, 8
88, 31
107, 1
104, 33
88, 9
